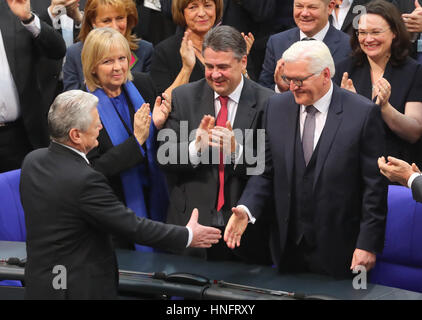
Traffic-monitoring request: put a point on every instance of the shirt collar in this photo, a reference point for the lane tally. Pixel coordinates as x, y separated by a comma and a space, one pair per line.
323, 103
235, 95
318, 36
83, 155
346, 3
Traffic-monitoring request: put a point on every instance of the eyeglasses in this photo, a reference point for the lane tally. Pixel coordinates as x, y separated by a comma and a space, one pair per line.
376, 33
298, 82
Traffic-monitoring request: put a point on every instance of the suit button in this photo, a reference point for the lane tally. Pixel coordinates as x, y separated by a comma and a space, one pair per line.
286, 220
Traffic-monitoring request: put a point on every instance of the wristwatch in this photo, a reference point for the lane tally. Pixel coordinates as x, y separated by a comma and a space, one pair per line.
28, 21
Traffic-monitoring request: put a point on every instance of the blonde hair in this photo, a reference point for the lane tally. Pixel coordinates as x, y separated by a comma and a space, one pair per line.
178, 6
96, 47
126, 6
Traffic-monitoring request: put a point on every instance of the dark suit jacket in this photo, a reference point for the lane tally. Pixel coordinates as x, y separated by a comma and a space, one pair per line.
337, 41
417, 189
349, 193
70, 212
167, 63
406, 85
23, 54
73, 77
197, 186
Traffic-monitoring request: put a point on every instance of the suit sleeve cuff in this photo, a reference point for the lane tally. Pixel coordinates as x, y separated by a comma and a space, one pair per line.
252, 219
412, 177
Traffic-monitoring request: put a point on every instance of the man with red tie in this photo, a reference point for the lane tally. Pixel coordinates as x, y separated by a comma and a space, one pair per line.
212, 163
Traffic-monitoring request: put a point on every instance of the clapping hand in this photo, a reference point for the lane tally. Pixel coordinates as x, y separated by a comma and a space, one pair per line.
347, 83
278, 72
382, 91
141, 123
187, 52
20, 8
161, 111
249, 39
223, 138
203, 132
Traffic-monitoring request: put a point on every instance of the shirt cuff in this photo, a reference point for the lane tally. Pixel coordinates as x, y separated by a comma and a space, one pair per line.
252, 219
34, 27
412, 177
55, 20
190, 236
237, 155
276, 89
193, 154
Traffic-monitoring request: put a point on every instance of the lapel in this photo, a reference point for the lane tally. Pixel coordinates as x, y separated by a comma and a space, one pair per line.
205, 97
332, 124
331, 39
8, 32
291, 120
293, 36
246, 109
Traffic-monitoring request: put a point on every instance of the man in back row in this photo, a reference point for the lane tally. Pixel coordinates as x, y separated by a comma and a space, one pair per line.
311, 18
70, 211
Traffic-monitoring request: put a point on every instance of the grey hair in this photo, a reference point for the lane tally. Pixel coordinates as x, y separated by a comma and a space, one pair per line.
70, 109
225, 38
316, 52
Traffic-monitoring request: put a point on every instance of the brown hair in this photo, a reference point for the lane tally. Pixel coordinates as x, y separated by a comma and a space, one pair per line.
178, 6
126, 6
96, 47
400, 46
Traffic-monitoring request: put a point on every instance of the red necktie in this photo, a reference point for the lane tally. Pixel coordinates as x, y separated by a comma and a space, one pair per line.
221, 121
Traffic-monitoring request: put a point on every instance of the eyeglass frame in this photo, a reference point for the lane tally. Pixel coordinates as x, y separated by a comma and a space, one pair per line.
371, 33
297, 82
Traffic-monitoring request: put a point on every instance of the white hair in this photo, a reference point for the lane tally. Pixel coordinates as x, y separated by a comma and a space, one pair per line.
314, 51
70, 109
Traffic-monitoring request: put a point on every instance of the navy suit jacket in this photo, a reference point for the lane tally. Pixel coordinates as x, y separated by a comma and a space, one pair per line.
73, 77
337, 41
349, 192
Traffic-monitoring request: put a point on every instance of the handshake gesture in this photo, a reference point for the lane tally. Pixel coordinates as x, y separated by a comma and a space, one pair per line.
210, 135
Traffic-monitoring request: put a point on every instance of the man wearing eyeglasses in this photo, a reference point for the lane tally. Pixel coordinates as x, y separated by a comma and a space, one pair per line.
311, 18
321, 157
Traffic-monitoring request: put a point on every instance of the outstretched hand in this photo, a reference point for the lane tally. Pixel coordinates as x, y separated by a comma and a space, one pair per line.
203, 237
236, 227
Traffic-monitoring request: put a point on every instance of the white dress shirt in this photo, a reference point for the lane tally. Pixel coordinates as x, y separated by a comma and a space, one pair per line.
322, 106
344, 8
9, 99
232, 106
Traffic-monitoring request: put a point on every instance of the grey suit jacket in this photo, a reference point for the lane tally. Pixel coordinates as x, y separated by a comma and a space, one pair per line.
70, 212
